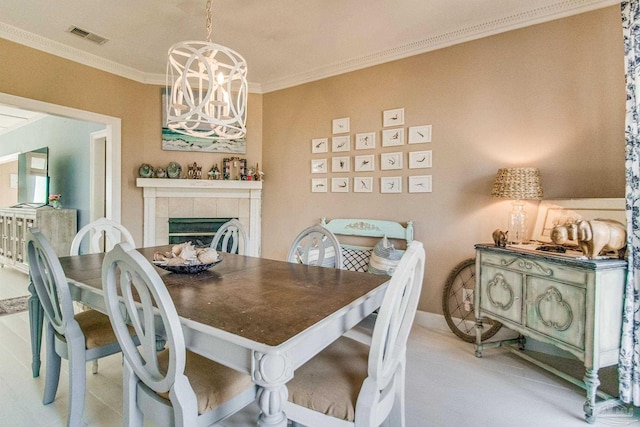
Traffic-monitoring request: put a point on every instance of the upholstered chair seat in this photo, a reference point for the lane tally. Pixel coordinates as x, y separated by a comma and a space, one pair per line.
96, 328
205, 377
330, 383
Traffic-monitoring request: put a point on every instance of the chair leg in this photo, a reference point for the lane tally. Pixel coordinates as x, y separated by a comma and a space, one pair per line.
397, 414
52, 377
131, 414
77, 380
94, 367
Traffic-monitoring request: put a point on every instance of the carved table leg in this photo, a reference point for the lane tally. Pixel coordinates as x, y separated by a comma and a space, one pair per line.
271, 373
591, 383
36, 315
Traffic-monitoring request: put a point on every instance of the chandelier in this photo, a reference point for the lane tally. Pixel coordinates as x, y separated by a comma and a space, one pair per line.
206, 89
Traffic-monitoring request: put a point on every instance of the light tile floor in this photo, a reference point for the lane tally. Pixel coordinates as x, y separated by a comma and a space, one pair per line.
446, 385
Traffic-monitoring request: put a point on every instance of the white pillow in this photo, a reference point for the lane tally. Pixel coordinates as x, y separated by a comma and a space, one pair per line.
384, 258
314, 253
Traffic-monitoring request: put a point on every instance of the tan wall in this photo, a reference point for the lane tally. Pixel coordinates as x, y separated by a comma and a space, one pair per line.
36, 75
549, 96
8, 195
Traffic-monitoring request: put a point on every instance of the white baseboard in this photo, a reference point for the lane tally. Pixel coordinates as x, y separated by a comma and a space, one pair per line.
432, 321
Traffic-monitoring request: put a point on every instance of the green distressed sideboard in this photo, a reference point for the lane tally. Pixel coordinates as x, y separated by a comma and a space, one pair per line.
572, 303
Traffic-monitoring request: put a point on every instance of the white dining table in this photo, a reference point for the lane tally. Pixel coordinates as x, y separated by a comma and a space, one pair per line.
255, 315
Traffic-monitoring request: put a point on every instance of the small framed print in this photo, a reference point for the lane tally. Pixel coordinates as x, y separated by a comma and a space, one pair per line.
363, 184
364, 163
319, 185
341, 143
365, 141
319, 166
420, 184
420, 159
389, 161
319, 145
419, 134
392, 137
393, 117
391, 184
340, 185
340, 125
340, 164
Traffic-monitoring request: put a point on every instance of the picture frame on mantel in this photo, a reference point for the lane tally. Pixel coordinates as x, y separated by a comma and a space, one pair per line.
174, 141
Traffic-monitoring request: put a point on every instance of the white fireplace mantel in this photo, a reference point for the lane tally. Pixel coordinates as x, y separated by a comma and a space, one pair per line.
164, 188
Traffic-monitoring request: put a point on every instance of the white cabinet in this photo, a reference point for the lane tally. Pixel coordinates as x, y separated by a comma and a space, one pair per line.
58, 225
573, 304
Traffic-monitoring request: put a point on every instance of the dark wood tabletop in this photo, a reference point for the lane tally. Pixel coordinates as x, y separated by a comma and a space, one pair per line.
263, 300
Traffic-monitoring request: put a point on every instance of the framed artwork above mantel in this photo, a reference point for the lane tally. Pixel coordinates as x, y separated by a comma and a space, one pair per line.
174, 141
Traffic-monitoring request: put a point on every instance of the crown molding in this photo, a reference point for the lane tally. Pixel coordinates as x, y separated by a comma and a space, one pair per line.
35, 41
438, 41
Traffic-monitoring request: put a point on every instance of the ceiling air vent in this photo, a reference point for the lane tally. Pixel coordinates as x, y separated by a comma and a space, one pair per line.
87, 35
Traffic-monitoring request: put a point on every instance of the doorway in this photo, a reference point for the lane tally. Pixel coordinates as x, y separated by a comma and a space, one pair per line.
111, 141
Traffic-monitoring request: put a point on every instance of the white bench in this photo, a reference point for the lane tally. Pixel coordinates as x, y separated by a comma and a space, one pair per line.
358, 237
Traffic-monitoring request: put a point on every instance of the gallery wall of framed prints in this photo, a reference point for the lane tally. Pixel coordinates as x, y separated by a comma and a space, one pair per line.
344, 162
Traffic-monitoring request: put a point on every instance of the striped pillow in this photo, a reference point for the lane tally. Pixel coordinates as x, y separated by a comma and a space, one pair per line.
329, 259
384, 258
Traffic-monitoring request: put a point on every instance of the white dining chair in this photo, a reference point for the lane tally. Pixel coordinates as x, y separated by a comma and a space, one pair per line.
78, 337
174, 386
231, 238
103, 234
352, 384
316, 245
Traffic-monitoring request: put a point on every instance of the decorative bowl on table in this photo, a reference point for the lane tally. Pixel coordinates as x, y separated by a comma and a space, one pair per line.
186, 268
185, 258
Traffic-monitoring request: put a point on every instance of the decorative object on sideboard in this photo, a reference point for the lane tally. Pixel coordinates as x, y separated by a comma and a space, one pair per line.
206, 89
593, 237
146, 171
500, 238
517, 184
54, 201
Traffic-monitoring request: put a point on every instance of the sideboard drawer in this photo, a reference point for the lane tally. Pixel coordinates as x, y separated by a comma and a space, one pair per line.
540, 268
556, 310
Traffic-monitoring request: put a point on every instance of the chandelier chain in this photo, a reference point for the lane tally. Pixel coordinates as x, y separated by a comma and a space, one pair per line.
209, 25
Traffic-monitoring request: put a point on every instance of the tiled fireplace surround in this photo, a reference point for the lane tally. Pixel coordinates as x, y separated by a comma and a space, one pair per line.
194, 198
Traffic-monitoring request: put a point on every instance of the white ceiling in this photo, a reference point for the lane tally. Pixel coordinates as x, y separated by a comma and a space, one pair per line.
285, 42
12, 118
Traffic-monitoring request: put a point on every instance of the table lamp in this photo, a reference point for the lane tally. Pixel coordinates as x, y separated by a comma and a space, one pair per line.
517, 184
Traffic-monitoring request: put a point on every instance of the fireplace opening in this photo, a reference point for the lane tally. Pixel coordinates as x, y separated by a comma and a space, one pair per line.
199, 231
